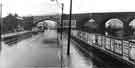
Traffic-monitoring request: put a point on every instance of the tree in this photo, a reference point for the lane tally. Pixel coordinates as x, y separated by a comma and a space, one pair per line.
9, 23
28, 23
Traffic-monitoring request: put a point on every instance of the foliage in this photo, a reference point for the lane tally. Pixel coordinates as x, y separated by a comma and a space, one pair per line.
28, 23
9, 23
13, 23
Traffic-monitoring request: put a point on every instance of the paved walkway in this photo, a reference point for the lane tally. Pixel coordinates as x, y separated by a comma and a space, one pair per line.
75, 59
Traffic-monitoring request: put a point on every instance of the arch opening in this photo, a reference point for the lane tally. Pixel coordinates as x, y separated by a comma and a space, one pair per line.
114, 27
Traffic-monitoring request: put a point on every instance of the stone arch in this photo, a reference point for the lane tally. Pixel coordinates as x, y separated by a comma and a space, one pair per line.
51, 24
114, 23
47, 24
114, 27
132, 26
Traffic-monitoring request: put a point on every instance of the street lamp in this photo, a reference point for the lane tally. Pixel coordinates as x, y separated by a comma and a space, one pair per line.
61, 5
69, 30
61, 25
62, 20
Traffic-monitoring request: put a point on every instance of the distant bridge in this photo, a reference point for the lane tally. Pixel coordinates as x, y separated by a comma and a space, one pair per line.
55, 18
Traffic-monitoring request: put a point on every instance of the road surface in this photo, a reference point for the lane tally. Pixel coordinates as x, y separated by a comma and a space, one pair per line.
44, 51
40, 51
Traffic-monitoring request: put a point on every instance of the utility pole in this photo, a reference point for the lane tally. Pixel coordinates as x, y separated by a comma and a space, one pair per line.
69, 29
62, 20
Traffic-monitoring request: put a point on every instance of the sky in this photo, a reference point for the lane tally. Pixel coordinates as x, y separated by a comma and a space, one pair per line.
43, 7
29, 7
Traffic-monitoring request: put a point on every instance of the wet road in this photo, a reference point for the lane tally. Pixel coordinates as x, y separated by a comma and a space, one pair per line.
43, 51
39, 51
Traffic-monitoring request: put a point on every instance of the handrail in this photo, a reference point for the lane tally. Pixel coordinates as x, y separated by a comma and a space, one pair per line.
122, 48
109, 36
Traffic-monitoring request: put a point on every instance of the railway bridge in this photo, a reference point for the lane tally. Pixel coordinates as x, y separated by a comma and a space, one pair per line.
108, 33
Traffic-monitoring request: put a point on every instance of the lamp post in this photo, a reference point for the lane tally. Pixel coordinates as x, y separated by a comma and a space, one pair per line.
69, 29
61, 27
62, 19
61, 5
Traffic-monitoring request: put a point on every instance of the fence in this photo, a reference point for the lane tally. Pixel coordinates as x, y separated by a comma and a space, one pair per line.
123, 49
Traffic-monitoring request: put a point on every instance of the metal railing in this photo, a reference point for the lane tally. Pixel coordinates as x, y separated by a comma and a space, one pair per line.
122, 49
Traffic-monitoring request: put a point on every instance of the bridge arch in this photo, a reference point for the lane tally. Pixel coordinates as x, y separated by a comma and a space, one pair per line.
114, 23
132, 26
114, 27
47, 24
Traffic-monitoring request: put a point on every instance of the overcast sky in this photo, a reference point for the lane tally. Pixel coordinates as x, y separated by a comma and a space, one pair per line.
43, 7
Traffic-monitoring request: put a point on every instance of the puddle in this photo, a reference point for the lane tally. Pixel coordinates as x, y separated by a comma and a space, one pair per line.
50, 41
